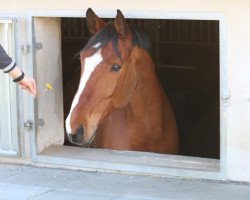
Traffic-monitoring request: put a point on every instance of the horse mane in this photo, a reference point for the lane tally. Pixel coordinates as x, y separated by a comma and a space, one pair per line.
108, 33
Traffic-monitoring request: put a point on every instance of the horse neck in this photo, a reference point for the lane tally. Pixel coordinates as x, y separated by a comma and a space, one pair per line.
149, 96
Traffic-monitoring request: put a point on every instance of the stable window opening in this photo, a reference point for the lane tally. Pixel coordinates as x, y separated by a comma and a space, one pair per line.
186, 55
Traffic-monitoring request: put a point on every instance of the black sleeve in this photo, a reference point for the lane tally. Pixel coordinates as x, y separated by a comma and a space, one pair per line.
6, 62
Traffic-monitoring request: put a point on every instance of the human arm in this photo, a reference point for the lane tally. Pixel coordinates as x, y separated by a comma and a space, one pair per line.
9, 66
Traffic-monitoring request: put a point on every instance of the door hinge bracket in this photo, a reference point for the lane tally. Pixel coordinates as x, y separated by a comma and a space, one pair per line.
28, 125
25, 49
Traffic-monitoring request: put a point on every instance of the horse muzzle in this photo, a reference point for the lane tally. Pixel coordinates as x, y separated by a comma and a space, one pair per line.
78, 137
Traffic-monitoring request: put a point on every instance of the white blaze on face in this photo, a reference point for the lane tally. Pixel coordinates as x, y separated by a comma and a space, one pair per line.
90, 64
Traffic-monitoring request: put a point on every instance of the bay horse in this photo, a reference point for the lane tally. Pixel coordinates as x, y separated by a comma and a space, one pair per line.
120, 104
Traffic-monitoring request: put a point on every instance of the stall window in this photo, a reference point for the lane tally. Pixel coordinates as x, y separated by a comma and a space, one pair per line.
186, 55
8, 106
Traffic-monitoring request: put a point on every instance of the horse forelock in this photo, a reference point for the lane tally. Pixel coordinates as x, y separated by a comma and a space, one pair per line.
109, 34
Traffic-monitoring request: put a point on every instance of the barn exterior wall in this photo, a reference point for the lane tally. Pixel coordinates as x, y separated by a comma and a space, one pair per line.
237, 19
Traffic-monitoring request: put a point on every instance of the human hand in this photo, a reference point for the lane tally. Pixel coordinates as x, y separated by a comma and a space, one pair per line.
28, 84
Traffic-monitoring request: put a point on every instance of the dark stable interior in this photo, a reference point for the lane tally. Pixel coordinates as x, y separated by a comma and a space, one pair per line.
186, 55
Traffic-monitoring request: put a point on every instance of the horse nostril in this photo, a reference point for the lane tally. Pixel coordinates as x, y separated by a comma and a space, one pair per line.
79, 133
69, 136
77, 136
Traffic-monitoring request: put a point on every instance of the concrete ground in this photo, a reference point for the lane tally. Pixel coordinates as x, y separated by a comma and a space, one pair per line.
24, 182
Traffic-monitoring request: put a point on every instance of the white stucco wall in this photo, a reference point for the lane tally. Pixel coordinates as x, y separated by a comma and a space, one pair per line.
237, 59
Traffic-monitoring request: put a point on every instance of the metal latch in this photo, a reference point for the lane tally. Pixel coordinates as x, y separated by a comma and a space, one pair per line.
28, 125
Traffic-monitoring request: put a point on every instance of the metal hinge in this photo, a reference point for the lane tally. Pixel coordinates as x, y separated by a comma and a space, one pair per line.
25, 48
225, 99
28, 125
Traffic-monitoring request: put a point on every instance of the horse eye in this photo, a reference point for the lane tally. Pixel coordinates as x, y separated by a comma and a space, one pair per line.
115, 68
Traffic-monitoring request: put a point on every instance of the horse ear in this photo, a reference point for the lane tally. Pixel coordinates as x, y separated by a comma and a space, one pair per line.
94, 23
121, 25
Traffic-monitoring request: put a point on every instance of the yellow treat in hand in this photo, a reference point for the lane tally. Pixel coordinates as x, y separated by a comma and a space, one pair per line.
48, 86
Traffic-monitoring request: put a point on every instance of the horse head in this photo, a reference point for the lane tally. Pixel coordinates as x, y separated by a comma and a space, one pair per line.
108, 75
